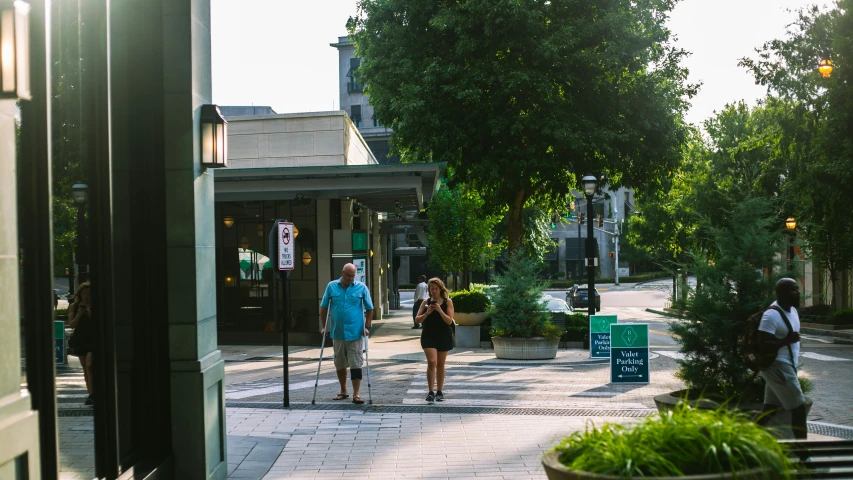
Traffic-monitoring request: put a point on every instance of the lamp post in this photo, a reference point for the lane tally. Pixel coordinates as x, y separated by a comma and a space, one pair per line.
80, 194
489, 269
589, 184
791, 225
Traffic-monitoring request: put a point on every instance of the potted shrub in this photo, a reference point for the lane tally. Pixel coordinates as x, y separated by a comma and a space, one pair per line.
730, 288
521, 322
682, 443
470, 307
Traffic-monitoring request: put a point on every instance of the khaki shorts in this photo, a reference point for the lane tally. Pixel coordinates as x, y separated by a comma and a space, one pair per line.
348, 354
782, 386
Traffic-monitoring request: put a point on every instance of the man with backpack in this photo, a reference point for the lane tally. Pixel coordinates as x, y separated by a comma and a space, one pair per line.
779, 331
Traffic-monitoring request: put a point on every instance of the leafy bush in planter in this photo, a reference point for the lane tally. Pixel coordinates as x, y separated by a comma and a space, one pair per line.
577, 320
729, 289
575, 333
407, 286
518, 309
819, 310
842, 317
675, 443
467, 301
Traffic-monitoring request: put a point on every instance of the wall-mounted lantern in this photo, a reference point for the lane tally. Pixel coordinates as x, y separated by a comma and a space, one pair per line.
15, 51
260, 230
228, 221
214, 137
295, 231
306, 258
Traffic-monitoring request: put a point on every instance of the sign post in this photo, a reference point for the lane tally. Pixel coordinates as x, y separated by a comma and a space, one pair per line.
59, 342
282, 245
599, 335
629, 353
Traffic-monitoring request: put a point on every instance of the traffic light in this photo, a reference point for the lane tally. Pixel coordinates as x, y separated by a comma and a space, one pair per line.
611, 254
554, 221
599, 221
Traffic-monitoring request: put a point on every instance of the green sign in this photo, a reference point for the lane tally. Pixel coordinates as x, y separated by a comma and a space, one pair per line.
629, 353
359, 241
59, 342
599, 335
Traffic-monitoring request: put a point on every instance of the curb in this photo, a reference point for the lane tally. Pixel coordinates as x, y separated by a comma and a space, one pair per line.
665, 314
838, 337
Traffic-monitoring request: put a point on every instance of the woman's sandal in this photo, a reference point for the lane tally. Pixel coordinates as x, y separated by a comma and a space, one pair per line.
340, 396
357, 400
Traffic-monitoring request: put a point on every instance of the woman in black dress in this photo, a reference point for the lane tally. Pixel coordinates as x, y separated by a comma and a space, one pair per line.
83, 339
436, 315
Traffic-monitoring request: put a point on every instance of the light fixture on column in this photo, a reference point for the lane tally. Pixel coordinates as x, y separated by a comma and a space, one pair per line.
295, 231
15, 51
260, 229
371, 254
214, 137
228, 221
306, 258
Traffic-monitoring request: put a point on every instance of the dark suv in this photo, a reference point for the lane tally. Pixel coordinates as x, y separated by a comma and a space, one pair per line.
577, 297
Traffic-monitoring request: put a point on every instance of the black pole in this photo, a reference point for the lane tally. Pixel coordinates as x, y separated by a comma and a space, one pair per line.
82, 245
579, 271
790, 251
590, 255
285, 340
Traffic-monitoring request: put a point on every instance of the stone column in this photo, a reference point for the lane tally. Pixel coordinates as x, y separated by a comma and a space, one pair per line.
378, 292
196, 365
19, 445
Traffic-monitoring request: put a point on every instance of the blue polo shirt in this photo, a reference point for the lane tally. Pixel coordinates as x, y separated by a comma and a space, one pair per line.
348, 306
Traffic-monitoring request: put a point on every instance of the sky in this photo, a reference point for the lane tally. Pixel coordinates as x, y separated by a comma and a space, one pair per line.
277, 53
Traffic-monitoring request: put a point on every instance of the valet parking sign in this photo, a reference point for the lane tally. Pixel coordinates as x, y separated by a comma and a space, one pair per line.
629, 353
285, 246
599, 335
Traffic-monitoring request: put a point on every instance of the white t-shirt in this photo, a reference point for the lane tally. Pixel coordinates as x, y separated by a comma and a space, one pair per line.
421, 291
771, 322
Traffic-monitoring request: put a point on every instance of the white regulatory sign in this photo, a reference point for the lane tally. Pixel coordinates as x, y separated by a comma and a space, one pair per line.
285, 246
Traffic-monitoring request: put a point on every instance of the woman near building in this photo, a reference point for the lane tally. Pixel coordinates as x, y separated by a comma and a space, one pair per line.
436, 315
83, 338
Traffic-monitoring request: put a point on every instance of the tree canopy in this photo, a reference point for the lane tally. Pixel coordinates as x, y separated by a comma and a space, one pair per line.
522, 97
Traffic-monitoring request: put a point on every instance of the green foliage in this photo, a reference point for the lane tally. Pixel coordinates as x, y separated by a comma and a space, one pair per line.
806, 385
518, 309
816, 129
407, 286
575, 334
536, 237
520, 98
459, 232
676, 443
729, 290
466, 301
842, 317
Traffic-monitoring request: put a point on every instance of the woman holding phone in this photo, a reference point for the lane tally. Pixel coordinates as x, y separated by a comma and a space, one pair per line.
436, 315
83, 339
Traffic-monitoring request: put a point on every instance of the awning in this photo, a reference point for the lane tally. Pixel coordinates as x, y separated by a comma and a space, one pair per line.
378, 187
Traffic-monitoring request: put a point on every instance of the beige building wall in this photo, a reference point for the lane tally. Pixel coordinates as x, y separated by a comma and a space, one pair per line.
295, 140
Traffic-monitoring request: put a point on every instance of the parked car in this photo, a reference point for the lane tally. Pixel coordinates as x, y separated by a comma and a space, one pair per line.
577, 297
557, 306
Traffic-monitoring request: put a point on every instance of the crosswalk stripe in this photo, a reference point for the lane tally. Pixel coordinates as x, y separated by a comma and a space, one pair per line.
532, 392
526, 403
825, 358
422, 381
239, 394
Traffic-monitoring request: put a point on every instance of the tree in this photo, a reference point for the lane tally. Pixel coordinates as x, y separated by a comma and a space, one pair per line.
729, 290
459, 232
818, 128
520, 97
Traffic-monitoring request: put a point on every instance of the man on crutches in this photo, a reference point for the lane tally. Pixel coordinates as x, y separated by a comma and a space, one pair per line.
351, 314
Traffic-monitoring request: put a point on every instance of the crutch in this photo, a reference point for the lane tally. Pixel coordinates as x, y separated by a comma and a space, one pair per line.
322, 346
367, 362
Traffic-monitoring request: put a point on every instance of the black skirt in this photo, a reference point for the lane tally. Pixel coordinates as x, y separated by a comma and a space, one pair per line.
436, 333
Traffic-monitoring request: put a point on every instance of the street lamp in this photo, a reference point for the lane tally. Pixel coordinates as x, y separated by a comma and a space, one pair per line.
589, 184
80, 194
825, 68
791, 225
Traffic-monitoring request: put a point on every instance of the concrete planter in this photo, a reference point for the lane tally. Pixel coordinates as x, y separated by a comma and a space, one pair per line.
780, 426
557, 471
469, 319
536, 348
